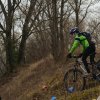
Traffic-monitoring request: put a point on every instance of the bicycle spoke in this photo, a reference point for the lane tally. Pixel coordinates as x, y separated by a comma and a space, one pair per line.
75, 81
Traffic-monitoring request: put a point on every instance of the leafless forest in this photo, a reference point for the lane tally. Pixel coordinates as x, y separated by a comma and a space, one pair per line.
33, 29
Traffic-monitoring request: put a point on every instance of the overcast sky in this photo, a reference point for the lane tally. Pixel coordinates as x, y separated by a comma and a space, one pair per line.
95, 9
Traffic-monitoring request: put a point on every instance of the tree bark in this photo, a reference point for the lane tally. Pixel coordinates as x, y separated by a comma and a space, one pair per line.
25, 32
22, 49
61, 31
54, 31
77, 13
9, 53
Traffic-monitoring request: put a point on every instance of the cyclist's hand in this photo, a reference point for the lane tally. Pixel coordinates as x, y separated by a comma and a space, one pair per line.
80, 55
69, 55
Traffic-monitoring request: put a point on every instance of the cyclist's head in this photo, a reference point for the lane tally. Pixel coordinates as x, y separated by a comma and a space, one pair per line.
74, 31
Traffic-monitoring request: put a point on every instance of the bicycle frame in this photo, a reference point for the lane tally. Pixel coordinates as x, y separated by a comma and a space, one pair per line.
79, 64
75, 77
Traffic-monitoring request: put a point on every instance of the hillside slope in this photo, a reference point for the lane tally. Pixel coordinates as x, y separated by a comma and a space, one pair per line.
28, 82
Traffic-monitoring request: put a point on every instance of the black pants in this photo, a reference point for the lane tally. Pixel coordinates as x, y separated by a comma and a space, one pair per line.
90, 51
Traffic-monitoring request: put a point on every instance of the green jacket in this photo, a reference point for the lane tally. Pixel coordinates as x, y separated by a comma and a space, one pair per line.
79, 40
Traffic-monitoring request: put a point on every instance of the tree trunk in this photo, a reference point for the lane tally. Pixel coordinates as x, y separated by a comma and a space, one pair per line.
61, 32
77, 13
77, 19
25, 32
21, 54
54, 30
9, 53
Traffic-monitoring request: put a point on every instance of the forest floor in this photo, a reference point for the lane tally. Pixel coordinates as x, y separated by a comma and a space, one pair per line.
27, 83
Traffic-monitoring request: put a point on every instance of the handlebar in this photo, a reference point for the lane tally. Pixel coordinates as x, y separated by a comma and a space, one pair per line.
77, 59
74, 56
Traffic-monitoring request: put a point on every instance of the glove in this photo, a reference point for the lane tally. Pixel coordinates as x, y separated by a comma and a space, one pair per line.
69, 55
80, 55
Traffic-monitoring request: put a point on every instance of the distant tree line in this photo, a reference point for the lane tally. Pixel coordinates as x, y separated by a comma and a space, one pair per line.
32, 29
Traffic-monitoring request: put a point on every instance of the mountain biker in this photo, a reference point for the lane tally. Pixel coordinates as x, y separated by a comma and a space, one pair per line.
88, 48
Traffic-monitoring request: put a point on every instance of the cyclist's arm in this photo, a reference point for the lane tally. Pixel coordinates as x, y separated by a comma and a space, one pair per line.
74, 46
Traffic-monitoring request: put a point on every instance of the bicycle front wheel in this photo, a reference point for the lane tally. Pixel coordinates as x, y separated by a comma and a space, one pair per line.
74, 80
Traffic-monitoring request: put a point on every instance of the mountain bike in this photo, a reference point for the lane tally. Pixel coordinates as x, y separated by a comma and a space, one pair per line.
74, 79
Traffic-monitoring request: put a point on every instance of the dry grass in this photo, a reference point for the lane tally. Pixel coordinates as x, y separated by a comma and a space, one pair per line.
89, 94
27, 83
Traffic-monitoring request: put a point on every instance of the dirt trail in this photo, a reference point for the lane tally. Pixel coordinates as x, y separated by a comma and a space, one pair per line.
21, 84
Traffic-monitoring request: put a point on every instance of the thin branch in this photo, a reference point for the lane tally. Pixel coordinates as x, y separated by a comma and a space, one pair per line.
17, 4
86, 12
2, 28
2, 35
95, 27
3, 9
71, 5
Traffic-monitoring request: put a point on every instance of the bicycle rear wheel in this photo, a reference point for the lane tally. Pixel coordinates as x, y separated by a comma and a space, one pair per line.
74, 80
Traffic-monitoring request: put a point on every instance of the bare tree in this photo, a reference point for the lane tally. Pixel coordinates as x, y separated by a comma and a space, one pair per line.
56, 13
81, 9
25, 31
94, 28
13, 14
46, 21
29, 25
8, 14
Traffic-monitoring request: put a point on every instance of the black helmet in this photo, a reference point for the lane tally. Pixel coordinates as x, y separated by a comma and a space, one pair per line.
74, 30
